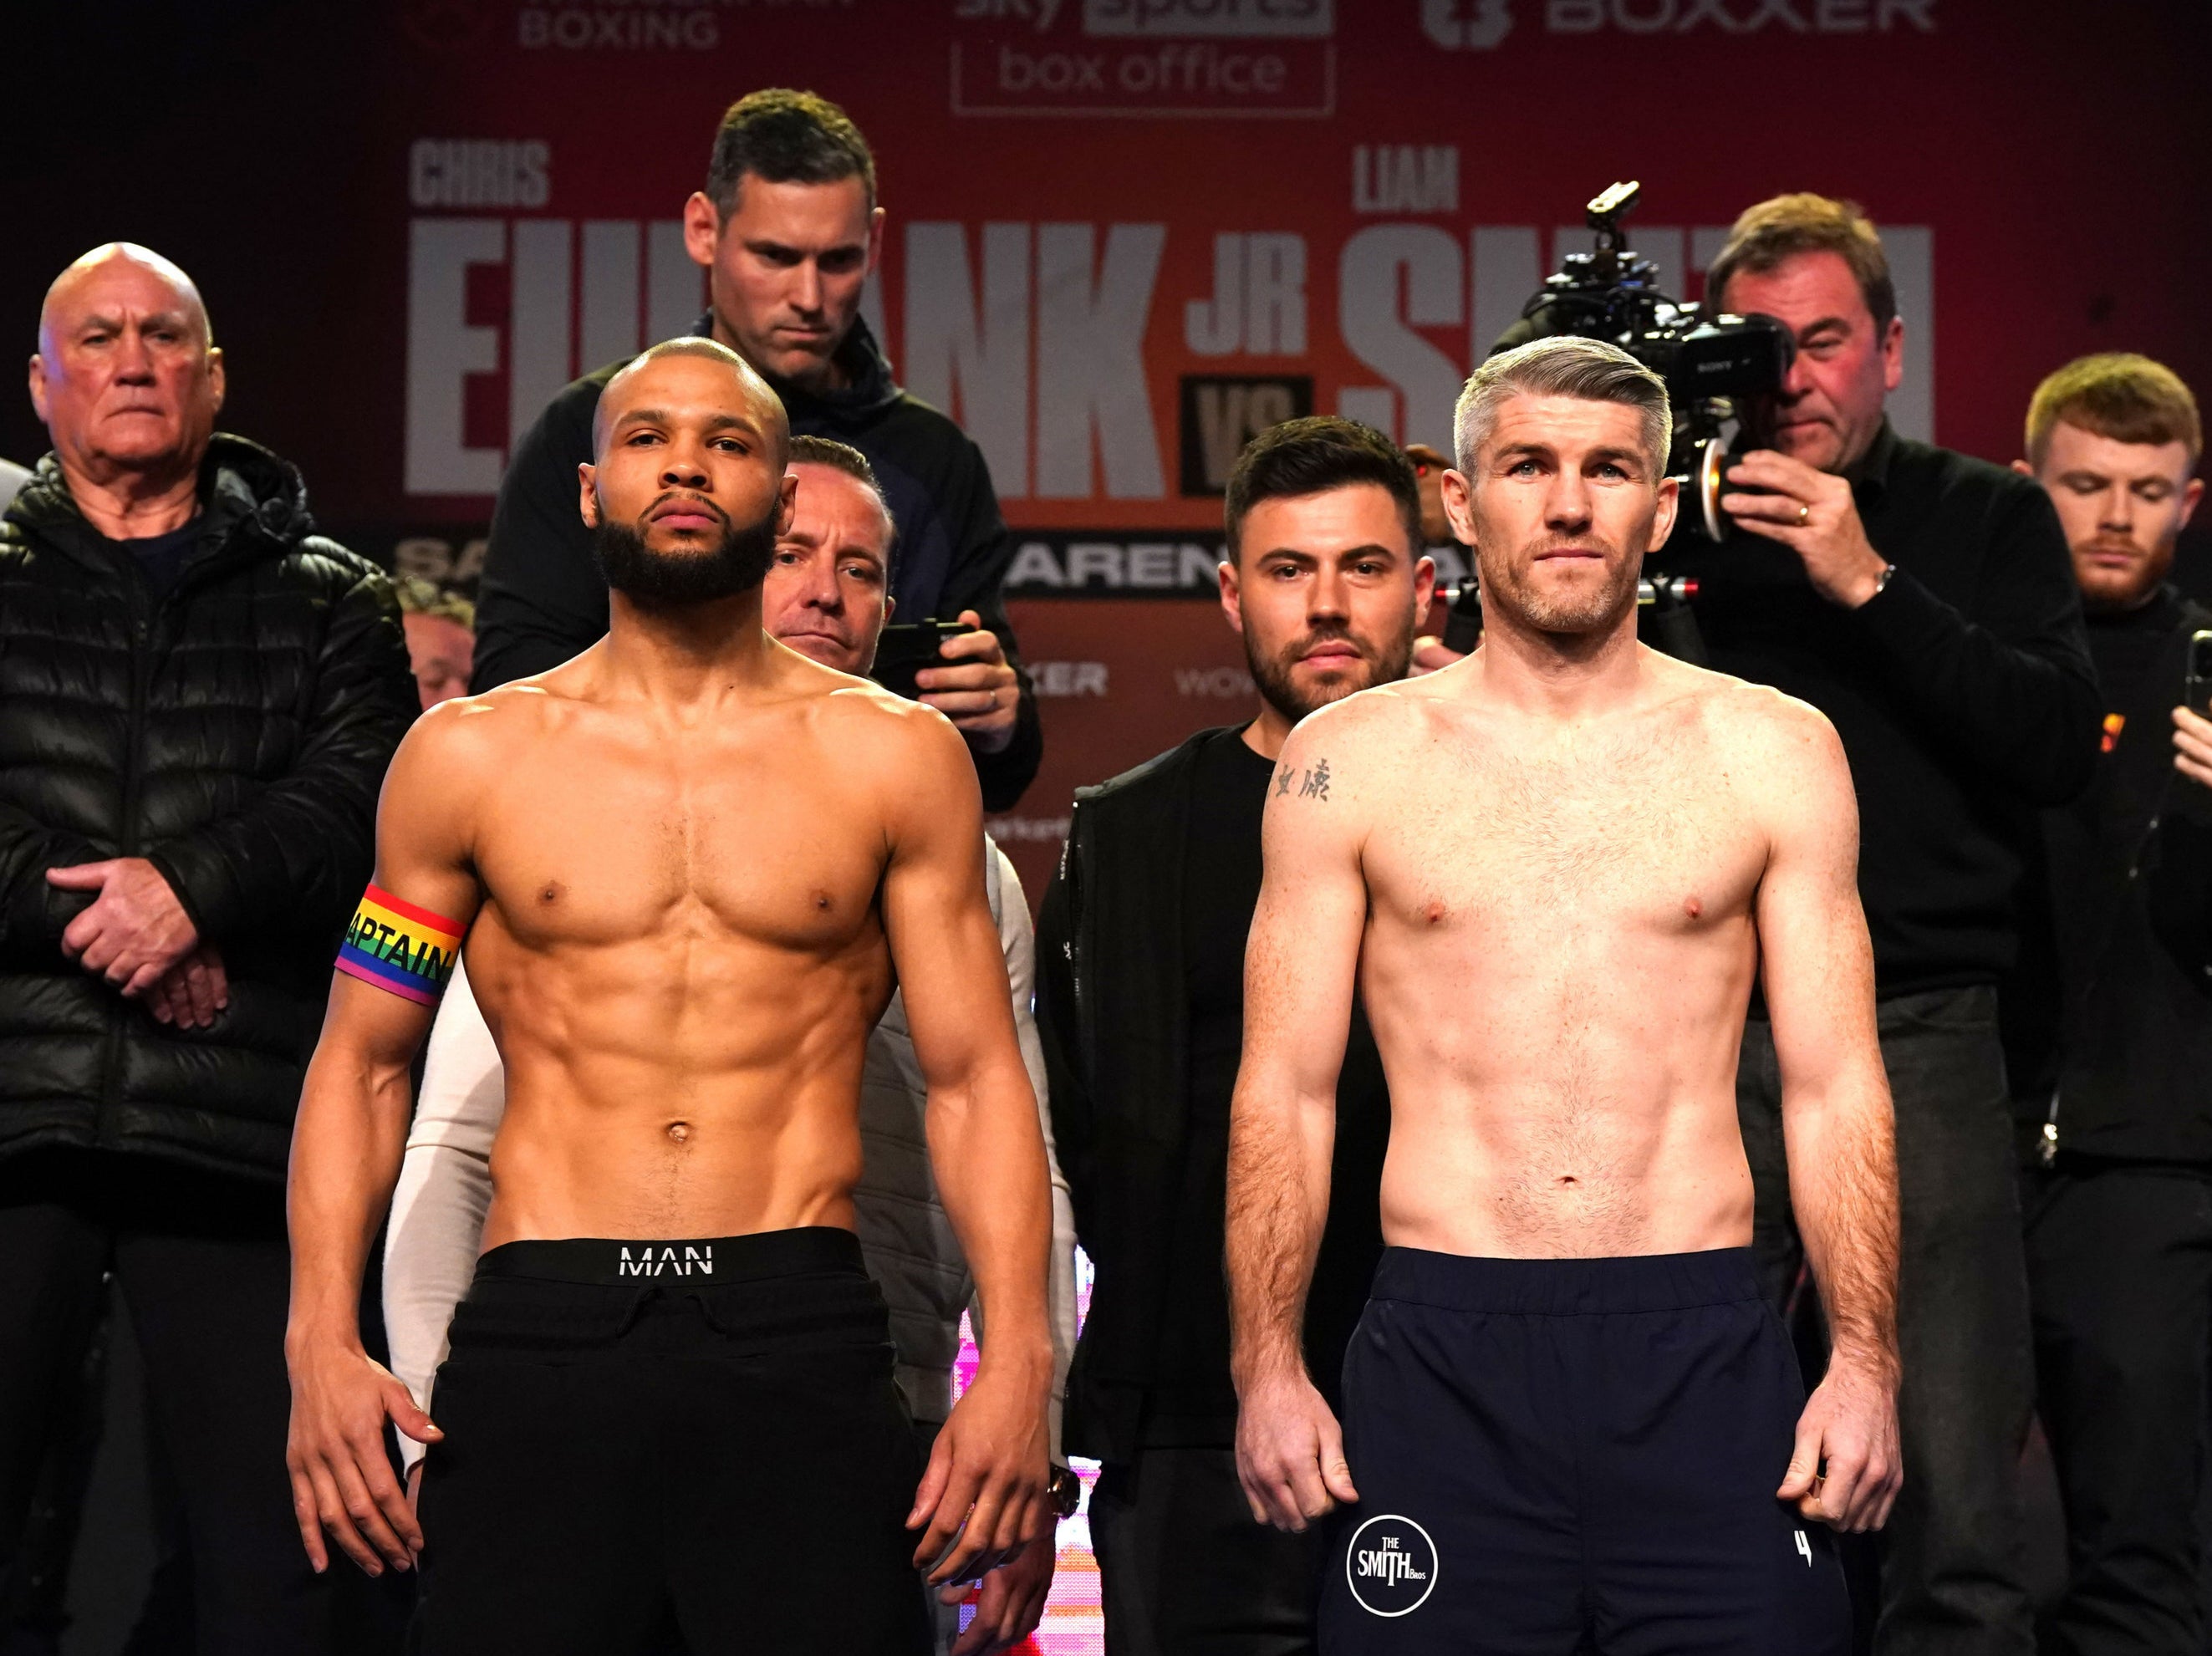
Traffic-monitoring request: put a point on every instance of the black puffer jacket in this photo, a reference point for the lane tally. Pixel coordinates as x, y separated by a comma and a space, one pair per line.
235, 734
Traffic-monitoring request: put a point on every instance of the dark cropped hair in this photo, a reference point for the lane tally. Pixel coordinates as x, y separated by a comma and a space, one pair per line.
786, 138
1313, 455
843, 456
838, 457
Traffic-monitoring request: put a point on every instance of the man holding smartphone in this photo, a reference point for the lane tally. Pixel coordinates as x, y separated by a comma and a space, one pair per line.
2109, 1026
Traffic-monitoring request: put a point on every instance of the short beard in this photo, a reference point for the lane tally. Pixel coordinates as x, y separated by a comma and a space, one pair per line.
663, 580
2107, 592
1280, 689
1574, 614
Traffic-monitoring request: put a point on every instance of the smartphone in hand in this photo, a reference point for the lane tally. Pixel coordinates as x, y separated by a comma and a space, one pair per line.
906, 647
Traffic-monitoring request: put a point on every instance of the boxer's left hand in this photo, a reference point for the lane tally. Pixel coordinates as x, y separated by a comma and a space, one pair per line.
2192, 746
1011, 1601
1846, 1466
983, 1495
979, 693
1813, 514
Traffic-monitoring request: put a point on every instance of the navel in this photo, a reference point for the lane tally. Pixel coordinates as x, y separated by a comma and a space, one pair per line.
679, 1131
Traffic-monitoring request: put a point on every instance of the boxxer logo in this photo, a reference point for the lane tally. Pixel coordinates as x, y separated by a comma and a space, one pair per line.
1391, 1565
1467, 25
656, 1261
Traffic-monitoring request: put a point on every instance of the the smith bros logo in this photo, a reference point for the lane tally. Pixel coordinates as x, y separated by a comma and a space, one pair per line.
1390, 1565
653, 1259
1390, 1562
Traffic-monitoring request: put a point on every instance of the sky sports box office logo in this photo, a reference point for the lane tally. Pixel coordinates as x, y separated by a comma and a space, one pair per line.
1145, 57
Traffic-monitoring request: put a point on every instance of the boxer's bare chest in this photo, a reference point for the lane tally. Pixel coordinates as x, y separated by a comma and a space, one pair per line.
1511, 836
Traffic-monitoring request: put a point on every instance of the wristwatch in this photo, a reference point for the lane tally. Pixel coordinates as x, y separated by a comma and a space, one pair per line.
1066, 1491
1882, 579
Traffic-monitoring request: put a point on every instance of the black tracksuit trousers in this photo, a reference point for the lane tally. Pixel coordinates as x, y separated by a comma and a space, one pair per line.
2119, 1259
203, 1267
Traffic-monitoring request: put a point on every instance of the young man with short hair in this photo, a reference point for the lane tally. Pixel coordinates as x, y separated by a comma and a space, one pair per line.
789, 232
1141, 1006
2109, 1030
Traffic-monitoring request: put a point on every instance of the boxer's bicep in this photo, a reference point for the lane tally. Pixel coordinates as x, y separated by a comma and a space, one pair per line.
1817, 962
404, 938
944, 946
1302, 955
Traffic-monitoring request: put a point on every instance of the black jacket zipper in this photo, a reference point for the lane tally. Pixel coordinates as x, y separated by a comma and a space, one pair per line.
127, 837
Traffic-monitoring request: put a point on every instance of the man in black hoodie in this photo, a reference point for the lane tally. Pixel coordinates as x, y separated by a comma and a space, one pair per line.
2108, 1022
198, 697
789, 231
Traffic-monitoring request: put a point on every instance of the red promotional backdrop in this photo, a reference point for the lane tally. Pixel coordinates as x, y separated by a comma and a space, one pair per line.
1123, 233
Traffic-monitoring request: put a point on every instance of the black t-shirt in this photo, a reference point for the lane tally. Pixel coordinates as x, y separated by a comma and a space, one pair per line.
1196, 1405
161, 556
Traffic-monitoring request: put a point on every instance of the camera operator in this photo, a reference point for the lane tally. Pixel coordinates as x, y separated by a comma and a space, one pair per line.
1922, 600
2109, 1030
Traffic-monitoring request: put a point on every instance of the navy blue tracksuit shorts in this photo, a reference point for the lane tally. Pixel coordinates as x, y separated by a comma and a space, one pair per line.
1575, 1457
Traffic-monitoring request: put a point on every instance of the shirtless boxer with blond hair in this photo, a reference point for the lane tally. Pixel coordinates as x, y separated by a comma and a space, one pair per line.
1555, 871
687, 863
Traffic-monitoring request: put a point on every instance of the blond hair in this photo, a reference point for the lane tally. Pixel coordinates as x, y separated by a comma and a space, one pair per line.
2120, 395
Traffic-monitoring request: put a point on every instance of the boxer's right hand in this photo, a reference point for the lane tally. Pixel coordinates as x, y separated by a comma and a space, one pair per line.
342, 1480
1290, 1453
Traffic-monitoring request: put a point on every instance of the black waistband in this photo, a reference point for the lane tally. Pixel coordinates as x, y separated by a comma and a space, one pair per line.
1646, 1282
756, 1258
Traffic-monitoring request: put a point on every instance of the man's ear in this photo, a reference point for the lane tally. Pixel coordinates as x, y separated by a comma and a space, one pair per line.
37, 377
1425, 590
1892, 354
1457, 495
2023, 468
702, 229
786, 499
2190, 495
1662, 524
587, 478
875, 241
1232, 602
218, 382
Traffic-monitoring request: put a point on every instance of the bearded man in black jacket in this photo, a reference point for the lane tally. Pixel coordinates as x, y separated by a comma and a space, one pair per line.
1140, 1009
198, 697
2108, 1024
789, 231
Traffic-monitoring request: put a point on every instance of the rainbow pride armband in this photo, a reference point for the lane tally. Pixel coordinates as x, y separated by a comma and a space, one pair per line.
396, 946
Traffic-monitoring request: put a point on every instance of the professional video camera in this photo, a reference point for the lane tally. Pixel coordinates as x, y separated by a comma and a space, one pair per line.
1711, 364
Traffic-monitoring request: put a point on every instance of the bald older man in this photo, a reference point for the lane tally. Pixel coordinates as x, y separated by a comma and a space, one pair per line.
690, 865
198, 697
